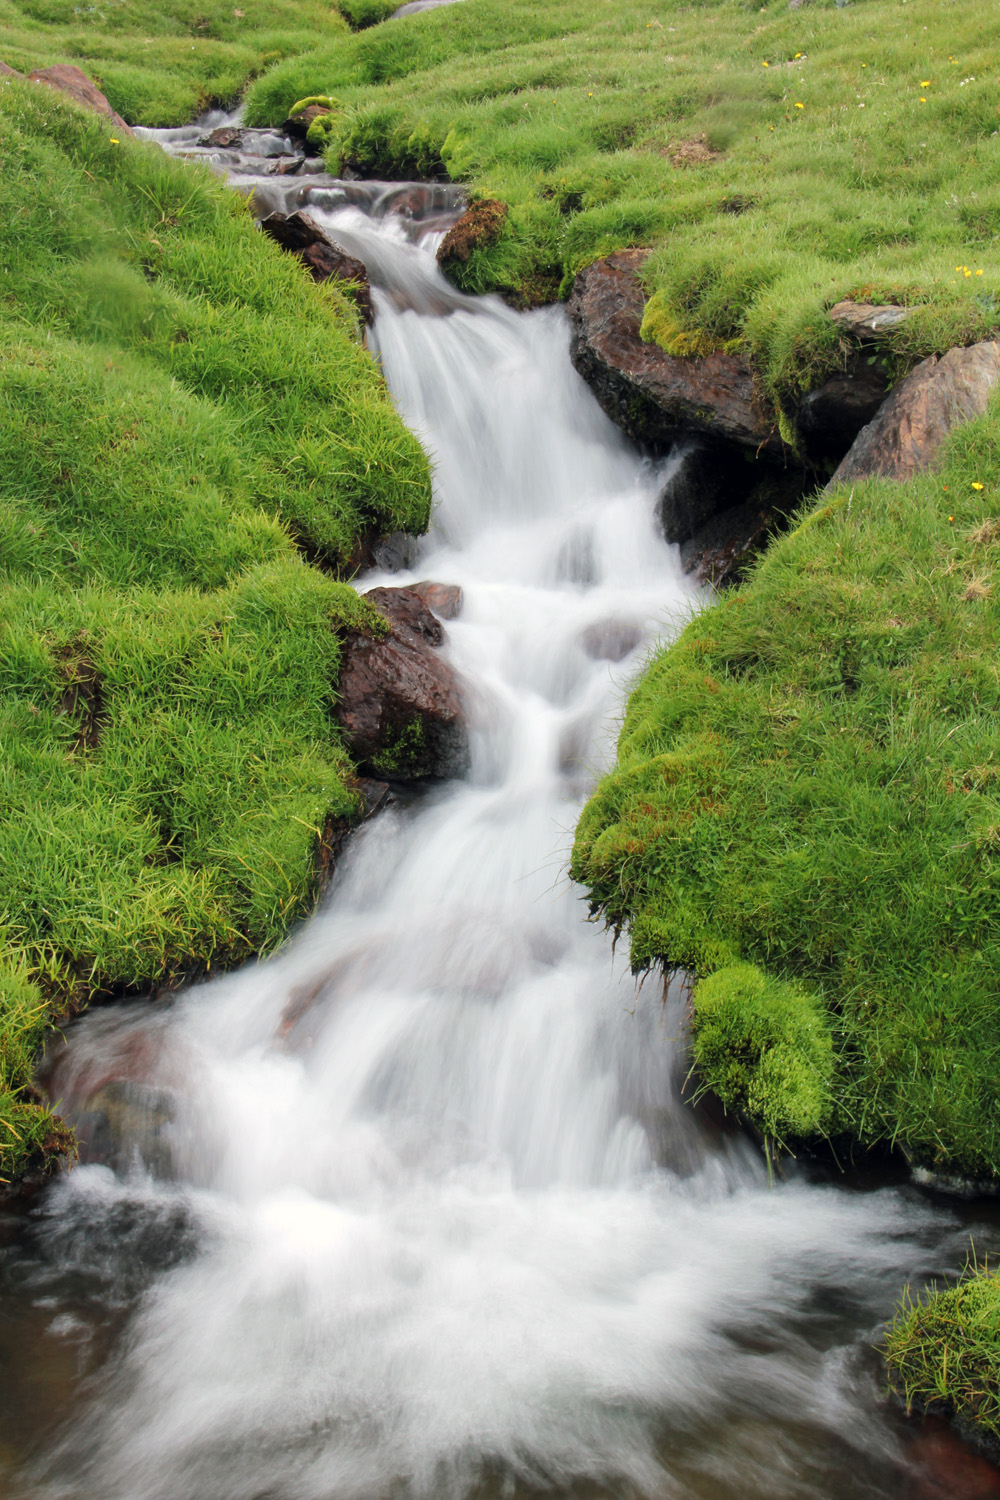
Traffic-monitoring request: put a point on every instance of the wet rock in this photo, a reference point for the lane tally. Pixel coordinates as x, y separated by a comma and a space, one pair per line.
830, 417
865, 321
479, 227
401, 707
445, 599
914, 421
336, 831
267, 143
298, 125
394, 553
721, 549
75, 83
701, 481
302, 236
611, 640
656, 398
228, 137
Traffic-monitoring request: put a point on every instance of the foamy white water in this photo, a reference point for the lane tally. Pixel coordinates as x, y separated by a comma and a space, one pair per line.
426, 1216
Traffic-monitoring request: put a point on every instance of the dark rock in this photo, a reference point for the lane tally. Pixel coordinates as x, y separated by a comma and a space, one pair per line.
701, 481
302, 236
284, 166
830, 417
656, 398
445, 599
400, 704
479, 227
913, 422
394, 553
721, 549
267, 143
336, 831
74, 82
229, 137
866, 322
312, 166
611, 640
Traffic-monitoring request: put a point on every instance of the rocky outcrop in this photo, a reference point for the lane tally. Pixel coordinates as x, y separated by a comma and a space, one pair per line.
656, 397
866, 322
700, 482
831, 416
479, 227
905, 436
75, 83
720, 550
301, 235
400, 703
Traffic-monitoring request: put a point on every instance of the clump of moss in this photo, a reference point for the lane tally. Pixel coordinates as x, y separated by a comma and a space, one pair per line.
659, 326
480, 228
405, 753
767, 1048
943, 1353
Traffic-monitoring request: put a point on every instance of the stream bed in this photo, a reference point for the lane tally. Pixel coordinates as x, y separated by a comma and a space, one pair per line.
413, 1211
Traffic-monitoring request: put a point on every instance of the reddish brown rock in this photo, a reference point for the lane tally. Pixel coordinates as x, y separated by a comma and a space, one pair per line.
228, 137
400, 704
656, 398
445, 599
914, 421
302, 236
8, 72
479, 227
75, 83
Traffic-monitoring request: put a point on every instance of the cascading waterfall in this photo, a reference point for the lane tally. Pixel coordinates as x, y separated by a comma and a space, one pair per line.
413, 1210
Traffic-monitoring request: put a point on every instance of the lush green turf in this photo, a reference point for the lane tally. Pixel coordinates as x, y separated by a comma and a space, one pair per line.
161, 62
574, 112
808, 781
944, 1352
179, 405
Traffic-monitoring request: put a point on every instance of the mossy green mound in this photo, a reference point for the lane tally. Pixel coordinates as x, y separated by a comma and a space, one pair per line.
778, 161
944, 1354
179, 406
808, 781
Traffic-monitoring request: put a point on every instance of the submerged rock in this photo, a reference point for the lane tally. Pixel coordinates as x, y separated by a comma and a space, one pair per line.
301, 235
401, 707
905, 436
74, 82
656, 397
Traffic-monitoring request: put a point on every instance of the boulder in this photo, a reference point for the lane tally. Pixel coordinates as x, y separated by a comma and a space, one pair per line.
479, 227
400, 703
298, 125
75, 83
865, 321
445, 599
657, 398
701, 480
905, 436
302, 236
721, 549
227, 137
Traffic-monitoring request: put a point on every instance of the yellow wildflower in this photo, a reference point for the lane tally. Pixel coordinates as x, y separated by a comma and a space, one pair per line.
976, 485
799, 106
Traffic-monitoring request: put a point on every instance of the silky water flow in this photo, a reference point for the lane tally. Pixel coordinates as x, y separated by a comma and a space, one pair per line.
413, 1209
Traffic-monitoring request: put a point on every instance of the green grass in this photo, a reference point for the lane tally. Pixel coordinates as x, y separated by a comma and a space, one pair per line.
164, 63
808, 781
184, 420
571, 112
944, 1353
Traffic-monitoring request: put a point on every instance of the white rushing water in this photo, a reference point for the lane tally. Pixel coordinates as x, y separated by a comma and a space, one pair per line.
430, 1218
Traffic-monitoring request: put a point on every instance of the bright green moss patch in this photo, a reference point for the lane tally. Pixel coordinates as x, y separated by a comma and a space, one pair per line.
767, 1048
808, 781
680, 127
944, 1353
179, 406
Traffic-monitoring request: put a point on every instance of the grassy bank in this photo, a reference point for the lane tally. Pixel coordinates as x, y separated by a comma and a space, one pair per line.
184, 417
943, 1354
777, 160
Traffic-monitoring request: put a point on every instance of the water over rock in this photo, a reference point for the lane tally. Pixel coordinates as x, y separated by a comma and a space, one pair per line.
401, 707
905, 436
